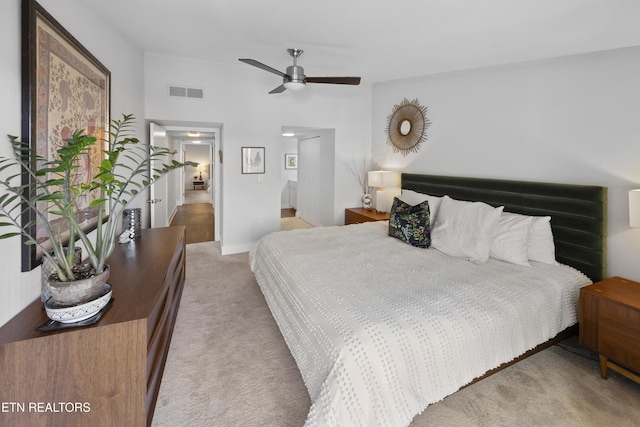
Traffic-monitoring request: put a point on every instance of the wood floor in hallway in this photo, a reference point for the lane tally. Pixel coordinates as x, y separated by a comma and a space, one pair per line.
198, 218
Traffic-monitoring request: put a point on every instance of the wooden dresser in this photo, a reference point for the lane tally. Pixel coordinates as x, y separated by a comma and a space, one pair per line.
107, 374
358, 215
610, 325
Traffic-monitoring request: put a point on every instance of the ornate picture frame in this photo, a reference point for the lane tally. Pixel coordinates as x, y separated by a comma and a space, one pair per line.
64, 89
253, 160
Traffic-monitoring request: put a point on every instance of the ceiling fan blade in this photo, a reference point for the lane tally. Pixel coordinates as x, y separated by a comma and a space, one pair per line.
262, 66
335, 80
279, 89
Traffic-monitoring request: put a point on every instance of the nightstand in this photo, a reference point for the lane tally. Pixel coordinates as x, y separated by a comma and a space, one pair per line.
358, 215
610, 325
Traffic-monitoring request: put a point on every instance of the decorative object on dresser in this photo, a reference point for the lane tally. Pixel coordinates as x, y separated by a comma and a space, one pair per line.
115, 366
407, 127
132, 223
55, 190
360, 215
47, 269
367, 200
610, 325
384, 179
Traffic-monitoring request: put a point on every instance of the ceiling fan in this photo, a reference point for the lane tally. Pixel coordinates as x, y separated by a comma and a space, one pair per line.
294, 78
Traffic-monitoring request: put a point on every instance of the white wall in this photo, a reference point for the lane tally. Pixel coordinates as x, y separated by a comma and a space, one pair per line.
126, 65
569, 120
237, 96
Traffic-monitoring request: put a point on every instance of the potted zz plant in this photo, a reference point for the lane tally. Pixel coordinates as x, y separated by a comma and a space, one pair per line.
57, 187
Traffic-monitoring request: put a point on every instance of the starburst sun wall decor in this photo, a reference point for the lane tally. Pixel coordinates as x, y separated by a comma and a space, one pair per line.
407, 126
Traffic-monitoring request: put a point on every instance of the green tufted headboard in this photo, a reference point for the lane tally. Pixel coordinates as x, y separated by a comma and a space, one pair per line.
578, 212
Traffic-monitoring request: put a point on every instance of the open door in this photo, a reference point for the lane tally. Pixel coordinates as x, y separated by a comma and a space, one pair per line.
158, 190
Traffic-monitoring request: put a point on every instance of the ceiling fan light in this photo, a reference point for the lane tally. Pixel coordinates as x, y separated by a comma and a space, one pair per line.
294, 85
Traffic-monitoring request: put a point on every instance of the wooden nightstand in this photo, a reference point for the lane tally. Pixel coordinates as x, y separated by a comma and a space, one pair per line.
358, 215
610, 325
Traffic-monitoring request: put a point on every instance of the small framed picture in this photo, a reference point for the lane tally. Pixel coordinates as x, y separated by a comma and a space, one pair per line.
252, 159
291, 161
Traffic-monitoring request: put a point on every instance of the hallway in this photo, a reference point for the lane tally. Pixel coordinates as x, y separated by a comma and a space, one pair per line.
197, 217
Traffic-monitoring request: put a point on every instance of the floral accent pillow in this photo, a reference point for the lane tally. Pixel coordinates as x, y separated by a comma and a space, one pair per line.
410, 223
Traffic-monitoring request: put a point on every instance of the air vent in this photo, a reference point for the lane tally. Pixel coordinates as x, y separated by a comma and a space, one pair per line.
195, 93
186, 92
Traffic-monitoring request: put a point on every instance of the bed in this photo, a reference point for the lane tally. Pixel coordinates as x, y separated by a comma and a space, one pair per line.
380, 329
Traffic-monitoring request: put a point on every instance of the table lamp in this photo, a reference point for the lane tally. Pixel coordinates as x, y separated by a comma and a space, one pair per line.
381, 179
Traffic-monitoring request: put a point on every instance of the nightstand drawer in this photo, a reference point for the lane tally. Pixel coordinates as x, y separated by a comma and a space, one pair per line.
620, 317
619, 334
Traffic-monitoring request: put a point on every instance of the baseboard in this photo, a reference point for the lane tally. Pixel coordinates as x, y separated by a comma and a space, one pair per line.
172, 215
236, 249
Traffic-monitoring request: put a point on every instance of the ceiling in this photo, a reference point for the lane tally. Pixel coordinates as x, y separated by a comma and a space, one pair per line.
378, 40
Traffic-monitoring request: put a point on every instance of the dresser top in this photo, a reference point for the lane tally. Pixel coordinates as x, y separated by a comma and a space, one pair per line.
138, 270
617, 289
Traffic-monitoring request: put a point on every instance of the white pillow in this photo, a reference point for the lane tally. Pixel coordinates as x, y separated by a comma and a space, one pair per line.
413, 198
540, 245
465, 229
510, 243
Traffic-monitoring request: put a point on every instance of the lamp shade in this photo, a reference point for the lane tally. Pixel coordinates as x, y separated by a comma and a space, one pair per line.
383, 179
634, 208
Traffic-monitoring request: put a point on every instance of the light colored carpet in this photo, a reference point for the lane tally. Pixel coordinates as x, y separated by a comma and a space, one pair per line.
292, 223
228, 365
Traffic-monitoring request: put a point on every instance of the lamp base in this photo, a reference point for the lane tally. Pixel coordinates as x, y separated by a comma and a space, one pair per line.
384, 199
382, 204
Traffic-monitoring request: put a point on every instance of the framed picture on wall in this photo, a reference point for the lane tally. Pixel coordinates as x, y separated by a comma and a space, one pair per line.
253, 159
64, 88
291, 161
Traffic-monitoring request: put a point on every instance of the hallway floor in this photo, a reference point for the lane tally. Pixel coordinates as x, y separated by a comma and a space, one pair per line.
197, 217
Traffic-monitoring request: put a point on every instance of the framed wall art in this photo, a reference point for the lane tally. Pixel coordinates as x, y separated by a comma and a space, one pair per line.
64, 89
291, 161
253, 160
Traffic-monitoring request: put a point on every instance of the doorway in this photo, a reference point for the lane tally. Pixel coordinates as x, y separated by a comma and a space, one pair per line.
200, 212
311, 191
196, 212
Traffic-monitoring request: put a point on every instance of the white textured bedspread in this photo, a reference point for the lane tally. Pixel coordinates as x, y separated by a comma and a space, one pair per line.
380, 329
